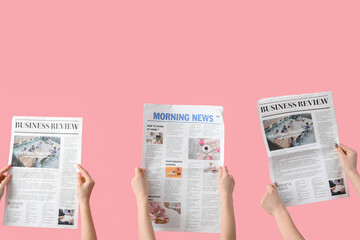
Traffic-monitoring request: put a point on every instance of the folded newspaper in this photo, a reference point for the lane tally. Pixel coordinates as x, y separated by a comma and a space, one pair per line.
183, 147
44, 153
299, 133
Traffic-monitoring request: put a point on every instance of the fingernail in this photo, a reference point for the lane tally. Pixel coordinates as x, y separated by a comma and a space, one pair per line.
336, 145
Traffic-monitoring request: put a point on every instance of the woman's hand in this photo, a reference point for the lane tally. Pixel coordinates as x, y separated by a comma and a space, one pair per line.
139, 184
4, 180
226, 182
272, 202
84, 185
348, 158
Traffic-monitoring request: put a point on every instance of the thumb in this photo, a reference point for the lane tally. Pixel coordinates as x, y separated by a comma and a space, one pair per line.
340, 152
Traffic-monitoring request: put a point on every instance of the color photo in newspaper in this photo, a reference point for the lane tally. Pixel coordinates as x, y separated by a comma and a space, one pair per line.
183, 147
44, 153
299, 133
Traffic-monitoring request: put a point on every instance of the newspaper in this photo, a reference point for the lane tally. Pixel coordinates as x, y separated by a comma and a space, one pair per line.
183, 147
299, 133
44, 153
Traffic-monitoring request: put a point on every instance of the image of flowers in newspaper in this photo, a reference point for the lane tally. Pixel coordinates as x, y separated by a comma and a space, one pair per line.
289, 131
204, 149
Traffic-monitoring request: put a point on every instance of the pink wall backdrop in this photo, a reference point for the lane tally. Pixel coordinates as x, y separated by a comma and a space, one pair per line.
102, 60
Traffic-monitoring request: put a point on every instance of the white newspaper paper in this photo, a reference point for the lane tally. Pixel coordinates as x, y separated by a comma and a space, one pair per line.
183, 146
44, 152
299, 133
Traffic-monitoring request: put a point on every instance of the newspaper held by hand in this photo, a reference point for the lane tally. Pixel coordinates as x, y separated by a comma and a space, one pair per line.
44, 152
300, 132
183, 147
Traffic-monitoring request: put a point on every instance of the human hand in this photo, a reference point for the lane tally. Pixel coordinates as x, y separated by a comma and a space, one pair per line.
4, 179
348, 158
139, 184
226, 182
272, 202
84, 185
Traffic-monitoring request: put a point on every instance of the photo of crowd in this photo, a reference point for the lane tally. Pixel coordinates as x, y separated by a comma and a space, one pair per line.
290, 131
36, 152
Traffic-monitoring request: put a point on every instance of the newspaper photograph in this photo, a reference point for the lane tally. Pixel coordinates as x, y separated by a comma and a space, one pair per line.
44, 152
183, 147
299, 133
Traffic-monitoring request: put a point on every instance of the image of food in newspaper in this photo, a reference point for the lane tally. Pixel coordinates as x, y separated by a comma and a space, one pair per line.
337, 187
165, 214
66, 217
154, 138
204, 149
211, 167
36, 151
174, 206
290, 131
173, 172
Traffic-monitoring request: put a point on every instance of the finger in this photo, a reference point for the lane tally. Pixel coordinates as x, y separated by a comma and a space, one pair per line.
6, 180
346, 149
340, 151
4, 170
220, 172
78, 179
225, 170
84, 172
2, 177
274, 185
137, 171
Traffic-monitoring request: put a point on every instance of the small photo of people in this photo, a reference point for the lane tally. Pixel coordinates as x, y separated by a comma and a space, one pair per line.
337, 187
165, 213
204, 149
66, 217
173, 172
154, 138
36, 152
290, 131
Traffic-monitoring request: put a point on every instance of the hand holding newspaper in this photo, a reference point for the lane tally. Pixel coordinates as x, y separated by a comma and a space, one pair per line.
44, 153
300, 132
183, 147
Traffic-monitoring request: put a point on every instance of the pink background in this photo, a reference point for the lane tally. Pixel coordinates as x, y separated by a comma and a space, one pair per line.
102, 60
